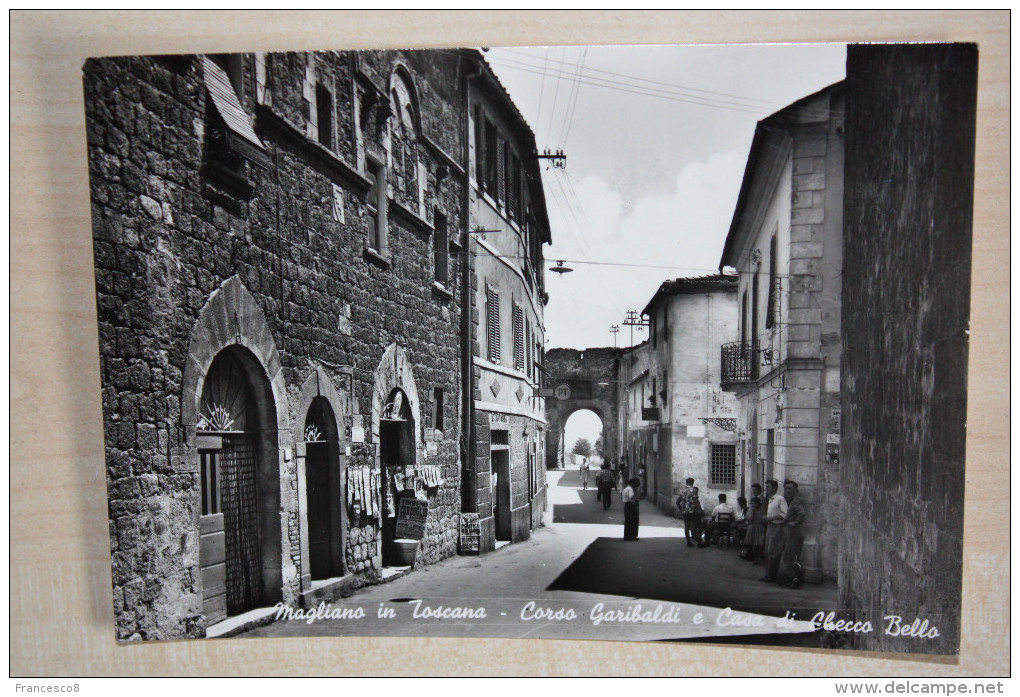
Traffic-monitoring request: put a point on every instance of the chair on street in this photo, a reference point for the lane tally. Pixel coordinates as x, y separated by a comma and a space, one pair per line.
723, 530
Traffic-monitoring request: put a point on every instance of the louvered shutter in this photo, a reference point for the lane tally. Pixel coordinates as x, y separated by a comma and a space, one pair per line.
501, 170
479, 148
770, 312
492, 323
518, 338
512, 184
527, 350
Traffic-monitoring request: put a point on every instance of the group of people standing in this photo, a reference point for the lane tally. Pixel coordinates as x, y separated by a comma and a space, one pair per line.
769, 528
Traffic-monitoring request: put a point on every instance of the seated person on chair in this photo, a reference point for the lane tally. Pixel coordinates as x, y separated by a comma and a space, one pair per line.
722, 519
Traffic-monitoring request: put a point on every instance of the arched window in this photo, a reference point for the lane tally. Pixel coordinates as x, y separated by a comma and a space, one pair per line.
405, 162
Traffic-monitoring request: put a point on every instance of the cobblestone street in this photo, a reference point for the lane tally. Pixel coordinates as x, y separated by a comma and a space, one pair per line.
553, 570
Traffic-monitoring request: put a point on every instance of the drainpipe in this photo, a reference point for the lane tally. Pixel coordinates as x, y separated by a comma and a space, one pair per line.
468, 478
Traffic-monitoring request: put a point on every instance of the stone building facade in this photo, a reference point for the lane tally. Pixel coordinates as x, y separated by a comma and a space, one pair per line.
785, 241
280, 267
504, 491
680, 423
905, 328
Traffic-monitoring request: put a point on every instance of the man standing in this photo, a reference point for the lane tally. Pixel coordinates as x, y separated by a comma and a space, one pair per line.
604, 483
775, 513
793, 537
686, 504
630, 509
584, 472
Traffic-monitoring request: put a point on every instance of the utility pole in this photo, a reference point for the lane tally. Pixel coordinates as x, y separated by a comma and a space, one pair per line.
614, 330
559, 160
634, 320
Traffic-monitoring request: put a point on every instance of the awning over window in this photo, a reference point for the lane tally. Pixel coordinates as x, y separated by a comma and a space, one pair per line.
241, 134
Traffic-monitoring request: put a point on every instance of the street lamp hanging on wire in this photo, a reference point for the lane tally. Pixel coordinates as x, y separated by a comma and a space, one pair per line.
560, 268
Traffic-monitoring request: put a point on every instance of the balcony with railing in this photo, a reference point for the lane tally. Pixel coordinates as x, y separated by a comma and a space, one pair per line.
739, 364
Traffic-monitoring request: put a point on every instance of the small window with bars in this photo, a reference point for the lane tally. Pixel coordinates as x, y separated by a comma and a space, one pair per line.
209, 462
723, 465
518, 338
492, 323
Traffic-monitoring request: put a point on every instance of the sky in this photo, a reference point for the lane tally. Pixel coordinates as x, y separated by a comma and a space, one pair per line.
656, 139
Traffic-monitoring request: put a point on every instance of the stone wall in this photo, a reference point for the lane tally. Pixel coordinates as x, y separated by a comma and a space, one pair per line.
906, 293
293, 234
592, 375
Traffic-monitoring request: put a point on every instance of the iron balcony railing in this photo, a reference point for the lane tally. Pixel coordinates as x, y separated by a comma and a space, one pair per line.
739, 363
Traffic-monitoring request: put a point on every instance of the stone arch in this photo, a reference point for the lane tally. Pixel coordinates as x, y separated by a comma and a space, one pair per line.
558, 432
399, 441
230, 317
395, 371
319, 386
592, 376
401, 81
231, 322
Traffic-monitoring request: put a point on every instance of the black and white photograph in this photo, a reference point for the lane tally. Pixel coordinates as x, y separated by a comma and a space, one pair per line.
647, 343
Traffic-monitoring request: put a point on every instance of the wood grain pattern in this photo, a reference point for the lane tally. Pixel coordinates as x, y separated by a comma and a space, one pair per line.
61, 612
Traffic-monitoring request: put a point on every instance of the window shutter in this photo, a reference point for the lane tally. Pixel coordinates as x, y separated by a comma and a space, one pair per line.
527, 351
491, 148
501, 170
518, 338
513, 184
770, 312
479, 147
492, 323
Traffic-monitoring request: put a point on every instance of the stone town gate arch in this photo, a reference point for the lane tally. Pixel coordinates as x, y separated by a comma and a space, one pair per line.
593, 378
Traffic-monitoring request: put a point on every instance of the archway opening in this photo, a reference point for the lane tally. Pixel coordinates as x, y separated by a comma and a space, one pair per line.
239, 486
323, 491
582, 440
396, 454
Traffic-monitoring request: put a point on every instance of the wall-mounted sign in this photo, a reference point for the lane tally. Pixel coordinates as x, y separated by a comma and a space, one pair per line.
470, 533
411, 518
650, 413
545, 392
499, 419
562, 392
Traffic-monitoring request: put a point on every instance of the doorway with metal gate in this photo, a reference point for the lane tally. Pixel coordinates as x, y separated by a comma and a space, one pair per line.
230, 440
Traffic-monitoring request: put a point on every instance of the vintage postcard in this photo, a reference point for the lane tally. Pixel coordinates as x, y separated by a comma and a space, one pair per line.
661, 343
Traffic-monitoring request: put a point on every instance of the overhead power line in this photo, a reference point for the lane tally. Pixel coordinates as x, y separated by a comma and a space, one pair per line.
523, 58
631, 88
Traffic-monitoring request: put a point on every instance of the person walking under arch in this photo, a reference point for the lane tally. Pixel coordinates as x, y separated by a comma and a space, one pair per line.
604, 482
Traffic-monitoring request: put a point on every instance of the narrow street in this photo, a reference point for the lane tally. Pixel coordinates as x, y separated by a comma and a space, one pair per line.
575, 562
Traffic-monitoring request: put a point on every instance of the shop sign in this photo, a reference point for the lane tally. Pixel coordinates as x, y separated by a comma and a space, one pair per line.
411, 518
470, 533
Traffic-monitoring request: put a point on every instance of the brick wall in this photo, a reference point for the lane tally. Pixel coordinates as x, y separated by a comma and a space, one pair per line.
906, 292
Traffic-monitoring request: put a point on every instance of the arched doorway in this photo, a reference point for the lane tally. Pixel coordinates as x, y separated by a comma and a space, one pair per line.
323, 491
583, 433
397, 450
236, 446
